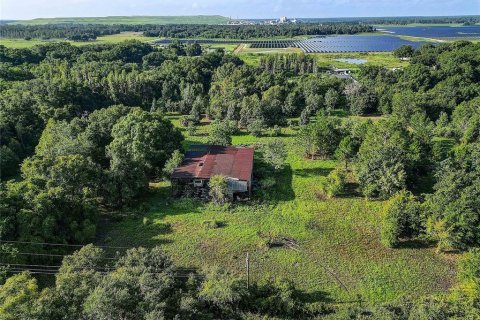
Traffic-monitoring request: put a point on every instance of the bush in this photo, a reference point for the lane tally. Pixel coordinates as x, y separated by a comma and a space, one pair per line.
275, 153
191, 130
220, 134
292, 123
219, 189
255, 128
276, 131
401, 218
212, 224
333, 184
174, 161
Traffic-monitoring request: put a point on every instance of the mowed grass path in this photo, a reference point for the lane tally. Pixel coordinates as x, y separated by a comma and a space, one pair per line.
339, 254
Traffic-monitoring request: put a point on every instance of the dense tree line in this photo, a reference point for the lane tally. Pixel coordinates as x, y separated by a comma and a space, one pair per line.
75, 32
255, 31
85, 32
470, 19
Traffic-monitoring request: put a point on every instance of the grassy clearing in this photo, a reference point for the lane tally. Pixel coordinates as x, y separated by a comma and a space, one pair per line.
326, 60
226, 47
418, 39
114, 38
339, 255
385, 59
200, 19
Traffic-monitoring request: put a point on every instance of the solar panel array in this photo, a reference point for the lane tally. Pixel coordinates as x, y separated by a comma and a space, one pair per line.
438, 32
354, 44
203, 41
340, 43
272, 44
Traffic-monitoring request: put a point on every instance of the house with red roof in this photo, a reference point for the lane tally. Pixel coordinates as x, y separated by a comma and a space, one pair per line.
201, 162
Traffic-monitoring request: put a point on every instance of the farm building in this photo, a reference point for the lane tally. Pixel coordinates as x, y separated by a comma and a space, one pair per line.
201, 162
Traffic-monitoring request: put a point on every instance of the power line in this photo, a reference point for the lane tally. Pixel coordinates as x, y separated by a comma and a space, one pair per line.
53, 272
61, 244
97, 268
53, 255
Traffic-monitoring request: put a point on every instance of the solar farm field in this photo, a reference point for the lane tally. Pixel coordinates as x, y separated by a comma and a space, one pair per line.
436, 32
274, 44
329, 44
377, 43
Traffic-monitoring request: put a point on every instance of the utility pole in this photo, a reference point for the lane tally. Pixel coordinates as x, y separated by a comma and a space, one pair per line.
248, 270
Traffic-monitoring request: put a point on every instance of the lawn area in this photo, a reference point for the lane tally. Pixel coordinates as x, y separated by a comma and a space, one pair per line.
339, 254
384, 59
114, 38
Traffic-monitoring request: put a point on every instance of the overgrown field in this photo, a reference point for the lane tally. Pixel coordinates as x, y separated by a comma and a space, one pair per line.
339, 257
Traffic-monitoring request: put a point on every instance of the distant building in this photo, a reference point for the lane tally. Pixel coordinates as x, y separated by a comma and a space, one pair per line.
283, 20
201, 162
340, 73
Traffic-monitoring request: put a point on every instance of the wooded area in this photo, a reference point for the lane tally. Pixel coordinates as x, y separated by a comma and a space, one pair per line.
84, 131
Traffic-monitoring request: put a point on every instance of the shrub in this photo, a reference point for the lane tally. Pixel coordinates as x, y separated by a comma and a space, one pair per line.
333, 184
255, 128
276, 131
212, 224
191, 129
174, 161
219, 189
275, 153
220, 134
401, 218
292, 123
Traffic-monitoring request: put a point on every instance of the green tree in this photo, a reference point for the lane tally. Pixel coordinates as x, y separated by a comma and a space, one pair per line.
331, 99
327, 135
333, 184
222, 290
219, 192
255, 127
146, 138
17, 295
405, 51
401, 218
220, 134
60, 199
275, 153
345, 150
453, 209
174, 161
362, 99
382, 162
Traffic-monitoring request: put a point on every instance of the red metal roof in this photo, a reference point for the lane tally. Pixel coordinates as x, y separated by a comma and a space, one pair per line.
204, 161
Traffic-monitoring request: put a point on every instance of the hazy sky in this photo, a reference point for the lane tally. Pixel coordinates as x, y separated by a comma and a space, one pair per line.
27, 9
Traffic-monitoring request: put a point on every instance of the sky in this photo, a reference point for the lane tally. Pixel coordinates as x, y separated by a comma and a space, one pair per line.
29, 9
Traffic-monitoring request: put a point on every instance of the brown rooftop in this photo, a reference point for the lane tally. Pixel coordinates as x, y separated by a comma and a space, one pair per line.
205, 161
